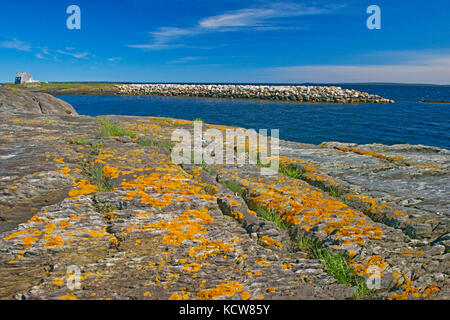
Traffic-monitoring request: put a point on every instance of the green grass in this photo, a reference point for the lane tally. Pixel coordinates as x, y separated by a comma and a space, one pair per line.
272, 216
15, 91
94, 172
291, 172
110, 129
94, 147
166, 121
295, 173
259, 163
61, 85
209, 170
199, 120
335, 192
80, 142
234, 187
156, 143
335, 264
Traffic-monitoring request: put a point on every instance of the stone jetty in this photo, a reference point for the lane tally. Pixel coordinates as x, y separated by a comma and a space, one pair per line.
109, 209
311, 94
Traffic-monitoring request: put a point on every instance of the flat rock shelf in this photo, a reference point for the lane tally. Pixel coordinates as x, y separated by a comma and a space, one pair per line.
135, 225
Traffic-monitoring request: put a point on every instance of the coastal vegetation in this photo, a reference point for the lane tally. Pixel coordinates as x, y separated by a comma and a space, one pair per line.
61, 85
110, 129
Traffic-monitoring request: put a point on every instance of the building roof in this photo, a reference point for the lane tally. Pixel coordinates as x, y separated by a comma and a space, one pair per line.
23, 75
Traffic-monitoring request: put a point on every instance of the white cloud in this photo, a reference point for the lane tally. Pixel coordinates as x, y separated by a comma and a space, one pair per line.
115, 59
258, 19
77, 55
16, 44
186, 59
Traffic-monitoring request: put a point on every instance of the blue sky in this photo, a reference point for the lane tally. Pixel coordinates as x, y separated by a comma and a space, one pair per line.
227, 41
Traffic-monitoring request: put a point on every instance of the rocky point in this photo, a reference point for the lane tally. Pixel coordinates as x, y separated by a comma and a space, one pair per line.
118, 215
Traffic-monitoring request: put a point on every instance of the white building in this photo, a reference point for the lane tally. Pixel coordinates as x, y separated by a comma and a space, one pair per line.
24, 77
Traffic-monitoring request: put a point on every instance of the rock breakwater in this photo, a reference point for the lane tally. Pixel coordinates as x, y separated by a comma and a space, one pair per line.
312, 94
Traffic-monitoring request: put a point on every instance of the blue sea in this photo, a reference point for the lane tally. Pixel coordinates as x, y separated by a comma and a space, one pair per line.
407, 121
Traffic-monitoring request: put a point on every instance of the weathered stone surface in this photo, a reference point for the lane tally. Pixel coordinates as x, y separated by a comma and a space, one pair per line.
151, 229
14, 100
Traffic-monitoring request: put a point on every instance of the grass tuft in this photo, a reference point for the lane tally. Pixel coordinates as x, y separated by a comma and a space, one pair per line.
94, 172
234, 187
156, 143
292, 172
110, 129
335, 264
272, 216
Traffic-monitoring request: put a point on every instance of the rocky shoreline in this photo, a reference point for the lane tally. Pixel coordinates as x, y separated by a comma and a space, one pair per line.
137, 226
307, 94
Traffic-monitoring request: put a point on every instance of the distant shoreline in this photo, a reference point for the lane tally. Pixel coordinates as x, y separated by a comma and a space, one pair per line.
434, 101
241, 83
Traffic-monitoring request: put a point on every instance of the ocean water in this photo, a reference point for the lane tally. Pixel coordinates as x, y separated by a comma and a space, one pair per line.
406, 121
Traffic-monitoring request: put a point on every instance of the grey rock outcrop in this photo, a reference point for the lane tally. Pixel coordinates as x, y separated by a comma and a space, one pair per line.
13, 100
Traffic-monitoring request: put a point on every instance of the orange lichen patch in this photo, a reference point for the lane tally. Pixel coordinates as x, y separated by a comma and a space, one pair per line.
114, 241
409, 252
270, 290
373, 264
58, 281
228, 288
180, 229
238, 215
209, 249
245, 295
375, 155
69, 297
85, 187
96, 234
269, 242
287, 266
234, 203
110, 172
111, 215
54, 242
14, 235
192, 267
309, 169
64, 224
262, 261
29, 241
242, 257
409, 290
177, 296
13, 187
60, 160
35, 219
251, 212
373, 206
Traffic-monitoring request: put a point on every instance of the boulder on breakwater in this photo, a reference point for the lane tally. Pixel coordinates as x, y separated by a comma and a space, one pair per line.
311, 94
